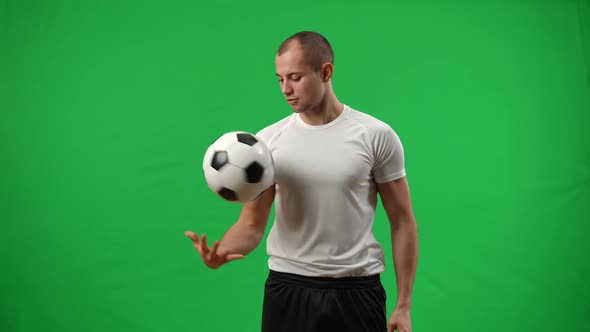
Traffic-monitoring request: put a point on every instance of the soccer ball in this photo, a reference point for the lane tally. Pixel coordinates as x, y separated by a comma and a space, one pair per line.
238, 167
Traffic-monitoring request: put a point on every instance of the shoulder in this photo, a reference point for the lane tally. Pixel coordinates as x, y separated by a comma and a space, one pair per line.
373, 126
267, 133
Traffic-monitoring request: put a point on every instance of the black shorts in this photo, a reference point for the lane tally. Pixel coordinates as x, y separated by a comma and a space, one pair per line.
294, 303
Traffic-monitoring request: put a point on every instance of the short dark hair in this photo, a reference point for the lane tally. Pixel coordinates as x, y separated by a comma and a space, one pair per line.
316, 48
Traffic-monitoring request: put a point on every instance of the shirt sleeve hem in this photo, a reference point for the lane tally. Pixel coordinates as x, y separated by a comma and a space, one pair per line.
391, 177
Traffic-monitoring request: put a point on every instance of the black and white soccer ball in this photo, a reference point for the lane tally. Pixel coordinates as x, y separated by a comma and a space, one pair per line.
238, 167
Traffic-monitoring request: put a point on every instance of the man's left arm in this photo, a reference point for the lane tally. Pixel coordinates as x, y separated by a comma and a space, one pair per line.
395, 197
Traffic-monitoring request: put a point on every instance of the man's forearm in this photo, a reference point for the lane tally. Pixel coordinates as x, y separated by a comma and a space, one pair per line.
241, 238
404, 237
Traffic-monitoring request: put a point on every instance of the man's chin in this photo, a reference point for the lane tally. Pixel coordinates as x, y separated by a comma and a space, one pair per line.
297, 109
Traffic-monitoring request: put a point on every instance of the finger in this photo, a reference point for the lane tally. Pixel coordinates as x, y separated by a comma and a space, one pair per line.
233, 257
192, 236
195, 239
393, 327
204, 246
199, 250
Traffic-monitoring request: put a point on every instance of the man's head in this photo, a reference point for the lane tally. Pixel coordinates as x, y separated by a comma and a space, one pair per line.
304, 64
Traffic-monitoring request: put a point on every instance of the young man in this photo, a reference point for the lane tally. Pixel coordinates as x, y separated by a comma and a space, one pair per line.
331, 162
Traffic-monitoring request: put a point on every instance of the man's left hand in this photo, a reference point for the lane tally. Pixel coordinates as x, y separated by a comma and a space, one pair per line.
400, 321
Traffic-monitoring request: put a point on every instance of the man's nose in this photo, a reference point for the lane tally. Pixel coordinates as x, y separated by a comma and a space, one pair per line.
287, 89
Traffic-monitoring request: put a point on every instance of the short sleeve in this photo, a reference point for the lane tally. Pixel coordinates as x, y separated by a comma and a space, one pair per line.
388, 155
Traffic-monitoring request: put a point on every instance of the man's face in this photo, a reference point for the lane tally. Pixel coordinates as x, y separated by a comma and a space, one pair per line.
300, 84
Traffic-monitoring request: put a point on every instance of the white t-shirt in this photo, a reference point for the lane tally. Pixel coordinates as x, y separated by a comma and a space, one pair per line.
326, 195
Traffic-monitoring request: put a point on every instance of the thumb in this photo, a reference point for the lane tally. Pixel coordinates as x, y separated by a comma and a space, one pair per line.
233, 257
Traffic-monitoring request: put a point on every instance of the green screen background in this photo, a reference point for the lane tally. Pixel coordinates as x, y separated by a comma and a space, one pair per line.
107, 109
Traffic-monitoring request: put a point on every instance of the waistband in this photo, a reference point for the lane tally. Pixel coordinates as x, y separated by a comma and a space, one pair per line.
325, 282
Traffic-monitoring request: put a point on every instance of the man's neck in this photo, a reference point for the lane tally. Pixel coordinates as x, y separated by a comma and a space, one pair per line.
324, 113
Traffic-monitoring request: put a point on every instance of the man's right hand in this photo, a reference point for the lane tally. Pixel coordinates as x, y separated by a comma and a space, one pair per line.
211, 257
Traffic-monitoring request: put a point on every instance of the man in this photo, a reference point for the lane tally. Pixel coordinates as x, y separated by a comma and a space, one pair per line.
331, 162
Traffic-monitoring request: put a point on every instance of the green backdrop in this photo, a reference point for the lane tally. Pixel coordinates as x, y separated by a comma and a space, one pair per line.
107, 109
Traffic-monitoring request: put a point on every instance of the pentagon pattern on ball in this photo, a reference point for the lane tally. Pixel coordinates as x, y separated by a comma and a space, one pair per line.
247, 139
228, 194
219, 160
254, 172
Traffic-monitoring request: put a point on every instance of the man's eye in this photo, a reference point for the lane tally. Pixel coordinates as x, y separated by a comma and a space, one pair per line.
296, 78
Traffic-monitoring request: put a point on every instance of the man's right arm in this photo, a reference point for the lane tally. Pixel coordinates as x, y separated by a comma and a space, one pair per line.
242, 237
245, 235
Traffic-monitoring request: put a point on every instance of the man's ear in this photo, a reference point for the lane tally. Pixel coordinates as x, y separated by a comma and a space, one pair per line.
327, 71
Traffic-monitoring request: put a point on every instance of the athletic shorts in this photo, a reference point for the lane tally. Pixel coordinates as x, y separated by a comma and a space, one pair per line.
294, 303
